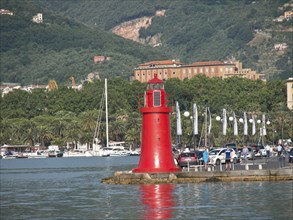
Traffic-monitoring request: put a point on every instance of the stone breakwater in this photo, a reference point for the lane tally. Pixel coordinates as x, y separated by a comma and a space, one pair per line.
127, 177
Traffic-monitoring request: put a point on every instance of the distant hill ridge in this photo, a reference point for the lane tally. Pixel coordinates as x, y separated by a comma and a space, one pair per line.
73, 32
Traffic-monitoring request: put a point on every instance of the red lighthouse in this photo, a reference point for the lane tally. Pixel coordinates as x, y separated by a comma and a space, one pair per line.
156, 151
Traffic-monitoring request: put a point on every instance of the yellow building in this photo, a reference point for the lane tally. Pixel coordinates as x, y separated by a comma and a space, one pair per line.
290, 93
167, 69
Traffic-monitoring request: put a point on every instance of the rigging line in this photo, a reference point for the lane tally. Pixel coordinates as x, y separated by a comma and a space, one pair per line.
99, 119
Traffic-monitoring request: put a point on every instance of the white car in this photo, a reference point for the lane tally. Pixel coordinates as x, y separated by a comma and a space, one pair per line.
218, 156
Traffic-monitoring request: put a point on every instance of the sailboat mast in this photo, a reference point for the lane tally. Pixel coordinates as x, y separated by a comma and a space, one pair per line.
106, 104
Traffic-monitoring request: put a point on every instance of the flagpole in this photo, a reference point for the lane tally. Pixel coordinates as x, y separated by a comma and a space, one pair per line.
195, 124
205, 127
178, 123
245, 127
224, 125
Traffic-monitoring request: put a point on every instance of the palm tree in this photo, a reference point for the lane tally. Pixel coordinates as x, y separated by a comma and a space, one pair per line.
88, 120
133, 136
283, 119
117, 130
44, 134
29, 129
73, 132
5, 130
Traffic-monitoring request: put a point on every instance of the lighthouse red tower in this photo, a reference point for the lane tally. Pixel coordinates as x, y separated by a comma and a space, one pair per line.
156, 151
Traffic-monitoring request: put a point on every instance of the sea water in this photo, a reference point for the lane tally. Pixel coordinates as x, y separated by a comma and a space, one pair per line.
71, 188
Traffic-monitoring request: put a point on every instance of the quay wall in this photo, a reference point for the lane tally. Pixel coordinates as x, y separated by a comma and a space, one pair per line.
127, 177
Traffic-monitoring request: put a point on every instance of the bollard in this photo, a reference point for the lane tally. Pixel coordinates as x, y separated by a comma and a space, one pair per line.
233, 166
209, 168
188, 166
221, 168
260, 167
246, 167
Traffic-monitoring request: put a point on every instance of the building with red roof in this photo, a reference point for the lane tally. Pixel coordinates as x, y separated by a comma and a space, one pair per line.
168, 69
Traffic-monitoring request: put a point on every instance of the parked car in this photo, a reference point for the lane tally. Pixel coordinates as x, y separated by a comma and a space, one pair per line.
249, 155
291, 156
218, 156
186, 158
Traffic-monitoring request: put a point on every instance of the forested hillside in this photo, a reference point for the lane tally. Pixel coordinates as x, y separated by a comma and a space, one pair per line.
60, 47
66, 115
202, 29
73, 32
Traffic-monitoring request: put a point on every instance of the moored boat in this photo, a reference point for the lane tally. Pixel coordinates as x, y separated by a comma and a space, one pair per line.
55, 154
21, 156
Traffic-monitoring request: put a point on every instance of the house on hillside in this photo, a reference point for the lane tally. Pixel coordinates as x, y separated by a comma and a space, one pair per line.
100, 59
6, 12
282, 46
5, 88
288, 15
38, 18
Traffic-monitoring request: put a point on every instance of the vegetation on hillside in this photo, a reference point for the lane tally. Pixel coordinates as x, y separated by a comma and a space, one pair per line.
59, 48
66, 115
202, 30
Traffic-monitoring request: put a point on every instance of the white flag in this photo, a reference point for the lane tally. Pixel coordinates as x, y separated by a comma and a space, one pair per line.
245, 128
210, 121
224, 122
264, 130
253, 125
178, 117
195, 120
235, 127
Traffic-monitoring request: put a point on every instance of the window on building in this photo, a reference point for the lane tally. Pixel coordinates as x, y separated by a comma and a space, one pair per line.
195, 70
213, 69
201, 70
221, 69
207, 69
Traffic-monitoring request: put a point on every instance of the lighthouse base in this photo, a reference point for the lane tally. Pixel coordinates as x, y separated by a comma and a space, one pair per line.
153, 170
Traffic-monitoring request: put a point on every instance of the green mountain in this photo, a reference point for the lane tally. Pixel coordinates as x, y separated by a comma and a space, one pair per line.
73, 32
60, 47
201, 30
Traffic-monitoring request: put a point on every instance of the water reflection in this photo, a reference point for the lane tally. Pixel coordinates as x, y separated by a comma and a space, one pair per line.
158, 200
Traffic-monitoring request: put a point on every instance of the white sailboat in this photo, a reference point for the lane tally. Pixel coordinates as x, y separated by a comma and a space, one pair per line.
112, 148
